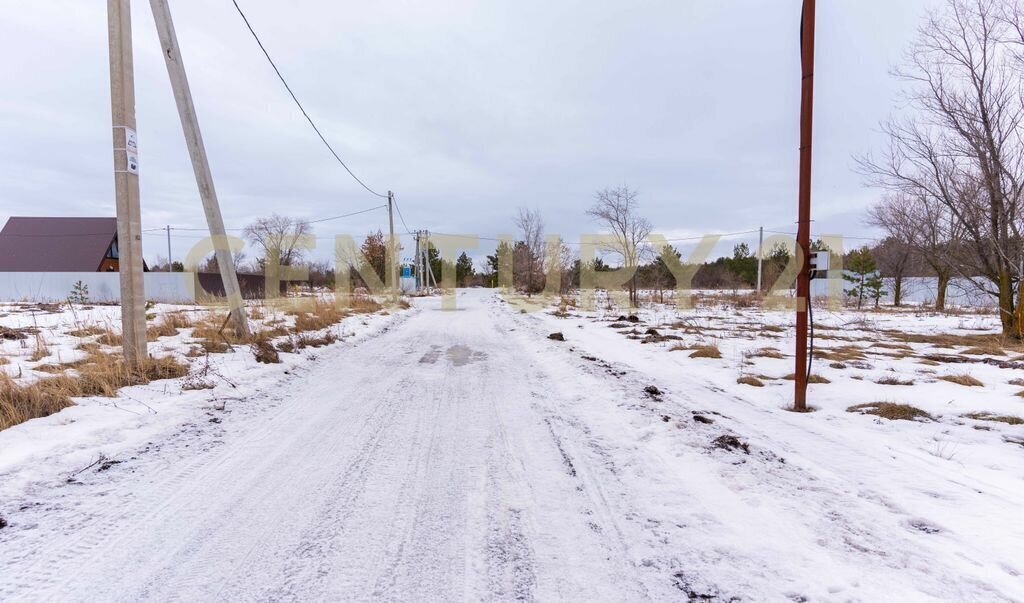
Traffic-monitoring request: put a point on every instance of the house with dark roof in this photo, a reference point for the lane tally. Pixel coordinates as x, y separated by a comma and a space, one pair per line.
59, 245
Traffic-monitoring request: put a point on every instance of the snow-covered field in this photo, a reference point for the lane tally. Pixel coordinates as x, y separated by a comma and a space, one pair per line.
461, 455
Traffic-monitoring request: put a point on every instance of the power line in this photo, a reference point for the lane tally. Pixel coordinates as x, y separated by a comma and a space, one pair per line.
301, 108
399, 210
355, 213
348, 215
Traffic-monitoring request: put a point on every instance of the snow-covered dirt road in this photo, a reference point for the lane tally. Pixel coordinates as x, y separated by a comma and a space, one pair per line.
420, 465
464, 456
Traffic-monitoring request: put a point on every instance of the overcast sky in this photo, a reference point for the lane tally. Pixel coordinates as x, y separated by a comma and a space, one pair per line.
467, 110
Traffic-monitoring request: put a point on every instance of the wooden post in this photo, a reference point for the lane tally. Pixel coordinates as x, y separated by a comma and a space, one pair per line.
803, 230
126, 183
200, 163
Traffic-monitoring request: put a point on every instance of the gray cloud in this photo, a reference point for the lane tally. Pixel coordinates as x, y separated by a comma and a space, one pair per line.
466, 110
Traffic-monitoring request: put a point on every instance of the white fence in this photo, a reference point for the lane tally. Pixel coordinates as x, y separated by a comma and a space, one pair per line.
168, 287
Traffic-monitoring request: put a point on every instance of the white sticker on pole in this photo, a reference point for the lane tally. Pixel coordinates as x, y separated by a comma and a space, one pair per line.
131, 149
133, 162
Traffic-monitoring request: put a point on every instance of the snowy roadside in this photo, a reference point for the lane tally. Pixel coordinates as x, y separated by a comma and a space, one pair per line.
830, 505
99, 430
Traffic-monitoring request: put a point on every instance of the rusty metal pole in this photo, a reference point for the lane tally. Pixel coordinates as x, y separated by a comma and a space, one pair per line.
803, 231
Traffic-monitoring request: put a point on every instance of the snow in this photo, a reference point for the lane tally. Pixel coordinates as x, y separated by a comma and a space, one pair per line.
460, 455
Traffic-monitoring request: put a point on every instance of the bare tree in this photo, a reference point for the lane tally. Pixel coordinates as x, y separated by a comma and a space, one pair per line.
529, 257
278, 238
926, 226
962, 148
616, 209
893, 257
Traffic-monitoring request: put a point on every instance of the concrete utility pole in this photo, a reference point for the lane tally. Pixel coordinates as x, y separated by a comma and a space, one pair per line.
760, 256
169, 262
126, 183
803, 230
416, 261
200, 164
393, 268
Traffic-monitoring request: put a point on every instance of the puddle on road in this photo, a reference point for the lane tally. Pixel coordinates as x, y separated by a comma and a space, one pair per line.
431, 356
460, 355
457, 355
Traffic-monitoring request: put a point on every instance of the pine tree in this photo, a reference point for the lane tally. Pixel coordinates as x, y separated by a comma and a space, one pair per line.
463, 269
79, 293
860, 269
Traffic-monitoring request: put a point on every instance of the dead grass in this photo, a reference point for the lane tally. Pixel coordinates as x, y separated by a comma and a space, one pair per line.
87, 331
750, 380
96, 375
987, 416
706, 351
813, 378
893, 346
325, 313
984, 350
263, 350
980, 341
768, 353
305, 340
169, 325
109, 337
962, 379
894, 380
41, 350
1018, 382
844, 353
891, 411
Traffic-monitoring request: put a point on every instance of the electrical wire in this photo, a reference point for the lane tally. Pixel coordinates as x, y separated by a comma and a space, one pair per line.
400, 217
355, 213
299, 104
810, 339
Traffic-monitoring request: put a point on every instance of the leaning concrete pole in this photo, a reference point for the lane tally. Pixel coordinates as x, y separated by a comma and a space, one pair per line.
126, 183
200, 163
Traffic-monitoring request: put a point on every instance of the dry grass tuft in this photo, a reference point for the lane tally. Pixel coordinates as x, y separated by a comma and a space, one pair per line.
893, 346
706, 351
1018, 382
324, 313
87, 331
982, 341
305, 340
844, 353
768, 353
263, 350
894, 380
891, 411
750, 380
168, 326
813, 378
987, 416
41, 350
984, 350
963, 379
97, 375
109, 337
